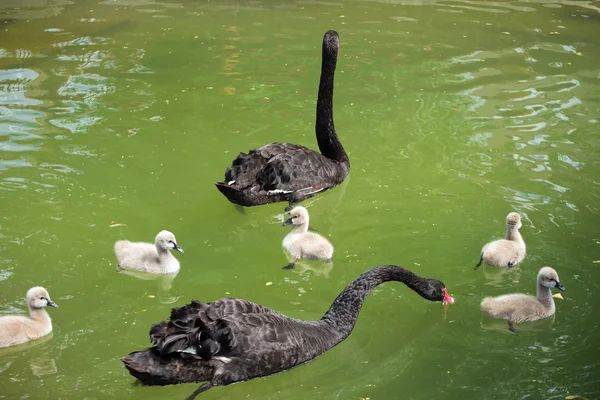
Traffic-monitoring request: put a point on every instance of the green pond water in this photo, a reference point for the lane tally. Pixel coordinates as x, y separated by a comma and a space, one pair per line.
117, 116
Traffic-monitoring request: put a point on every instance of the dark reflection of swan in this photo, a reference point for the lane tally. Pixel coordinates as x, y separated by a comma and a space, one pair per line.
164, 283
289, 172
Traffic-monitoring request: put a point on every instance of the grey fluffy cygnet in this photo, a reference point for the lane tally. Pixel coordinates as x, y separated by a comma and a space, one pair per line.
300, 243
153, 258
506, 252
16, 329
523, 308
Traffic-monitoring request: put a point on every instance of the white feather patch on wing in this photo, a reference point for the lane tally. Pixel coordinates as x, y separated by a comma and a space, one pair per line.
278, 191
315, 191
231, 182
223, 359
190, 350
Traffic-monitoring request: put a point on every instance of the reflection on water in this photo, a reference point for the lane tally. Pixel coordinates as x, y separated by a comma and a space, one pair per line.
35, 352
318, 268
164, 284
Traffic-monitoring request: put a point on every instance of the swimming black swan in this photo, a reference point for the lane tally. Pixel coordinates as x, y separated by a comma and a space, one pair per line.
290, 172
233, 340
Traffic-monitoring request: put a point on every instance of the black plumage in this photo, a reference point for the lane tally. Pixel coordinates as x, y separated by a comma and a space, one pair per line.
233, 340
290, 172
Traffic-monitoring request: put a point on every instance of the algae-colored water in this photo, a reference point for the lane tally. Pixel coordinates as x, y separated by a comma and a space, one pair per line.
454, 113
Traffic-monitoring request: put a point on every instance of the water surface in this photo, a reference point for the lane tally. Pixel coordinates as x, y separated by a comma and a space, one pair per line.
117, 116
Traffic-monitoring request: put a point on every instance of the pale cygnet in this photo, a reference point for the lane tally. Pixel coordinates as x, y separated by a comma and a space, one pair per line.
506, 252
300, 243
147, 257
522, 307
16, 329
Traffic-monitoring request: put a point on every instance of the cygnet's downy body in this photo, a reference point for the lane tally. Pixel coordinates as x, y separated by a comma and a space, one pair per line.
301, 244
524, 308
146, 257
506, 252
15, 329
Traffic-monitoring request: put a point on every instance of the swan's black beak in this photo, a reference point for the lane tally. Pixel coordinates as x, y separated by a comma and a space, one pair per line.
176, 247
559, 286
287, 222
51, 303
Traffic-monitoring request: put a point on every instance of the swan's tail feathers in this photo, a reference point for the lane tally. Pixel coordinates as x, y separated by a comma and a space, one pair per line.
195, 329
153, 369
238, 167
239, 197
181, 333
487, 306
121, 246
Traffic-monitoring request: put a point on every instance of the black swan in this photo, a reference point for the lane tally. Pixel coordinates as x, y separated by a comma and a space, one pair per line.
233, 340
290, 172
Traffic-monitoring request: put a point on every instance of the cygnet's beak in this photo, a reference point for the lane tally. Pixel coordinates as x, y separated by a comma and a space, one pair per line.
447, 298
51, 303
559, 286
176, 247
287, 222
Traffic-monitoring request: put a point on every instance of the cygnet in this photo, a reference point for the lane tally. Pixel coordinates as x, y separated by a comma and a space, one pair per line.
15, 329
506, 252
300, 243
522, 307
147, 257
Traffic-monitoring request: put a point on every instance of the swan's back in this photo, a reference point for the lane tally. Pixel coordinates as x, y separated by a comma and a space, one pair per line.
122, 248
17, 329
308, 245
516, 308
229, 328
278, 172
500, 252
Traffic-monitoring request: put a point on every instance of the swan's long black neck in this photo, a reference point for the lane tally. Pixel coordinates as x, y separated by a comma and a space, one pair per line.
344, 311
329, 144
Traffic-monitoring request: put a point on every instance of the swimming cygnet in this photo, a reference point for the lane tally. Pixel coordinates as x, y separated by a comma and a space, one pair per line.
16, 329
506, 252
522, 307
300, 243
146, 257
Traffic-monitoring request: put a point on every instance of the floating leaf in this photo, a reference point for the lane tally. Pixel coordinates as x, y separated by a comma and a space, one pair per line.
596, 261
559, 296
579, 53
575, 396
268, 283
115, 224
150, 296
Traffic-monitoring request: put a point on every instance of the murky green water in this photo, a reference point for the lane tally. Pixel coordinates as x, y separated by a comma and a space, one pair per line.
454, 113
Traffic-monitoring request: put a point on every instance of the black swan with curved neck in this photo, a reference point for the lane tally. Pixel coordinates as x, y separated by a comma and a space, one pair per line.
233, 340
290, 172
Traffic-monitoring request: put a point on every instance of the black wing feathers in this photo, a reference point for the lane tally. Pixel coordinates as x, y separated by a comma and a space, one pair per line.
206, 328
283, 166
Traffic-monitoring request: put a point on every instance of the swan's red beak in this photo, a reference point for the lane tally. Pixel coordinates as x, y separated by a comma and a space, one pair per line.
447, 298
